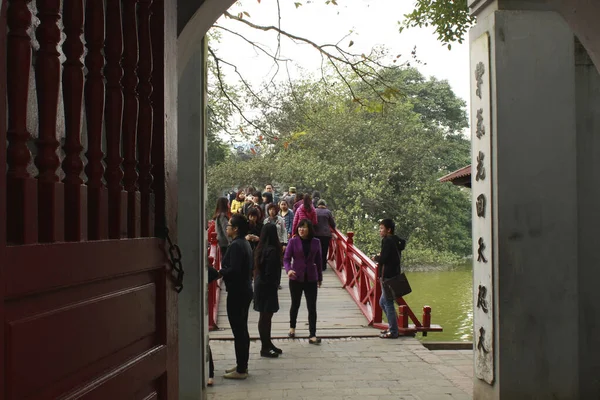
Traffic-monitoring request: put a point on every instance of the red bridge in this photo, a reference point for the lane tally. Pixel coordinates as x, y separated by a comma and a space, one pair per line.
357, 274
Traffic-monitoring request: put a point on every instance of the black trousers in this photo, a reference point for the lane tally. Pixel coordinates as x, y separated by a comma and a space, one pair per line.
324, 249
238, 305
211, 364
310, 293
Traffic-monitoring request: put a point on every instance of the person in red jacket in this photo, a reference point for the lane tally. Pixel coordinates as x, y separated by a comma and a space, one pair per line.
305, 211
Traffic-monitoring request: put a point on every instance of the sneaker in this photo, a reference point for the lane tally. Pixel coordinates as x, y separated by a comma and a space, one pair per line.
236, 375
228, 370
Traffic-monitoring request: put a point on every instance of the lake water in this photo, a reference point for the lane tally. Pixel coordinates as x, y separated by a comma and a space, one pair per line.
450, 295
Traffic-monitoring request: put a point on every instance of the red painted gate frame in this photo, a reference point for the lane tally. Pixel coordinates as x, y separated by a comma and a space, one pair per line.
2, 185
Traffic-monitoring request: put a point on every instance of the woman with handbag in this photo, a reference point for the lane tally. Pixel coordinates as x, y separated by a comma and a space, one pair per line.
389, 269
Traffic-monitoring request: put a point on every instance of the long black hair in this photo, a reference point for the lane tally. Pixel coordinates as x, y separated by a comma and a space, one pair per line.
309, 225
222, 207
307, 202
268, 238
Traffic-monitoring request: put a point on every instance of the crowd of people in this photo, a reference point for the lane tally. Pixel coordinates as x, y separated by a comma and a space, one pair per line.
260, 234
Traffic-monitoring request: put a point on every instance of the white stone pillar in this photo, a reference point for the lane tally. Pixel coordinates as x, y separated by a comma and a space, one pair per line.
587, 82
193, 325
525, 153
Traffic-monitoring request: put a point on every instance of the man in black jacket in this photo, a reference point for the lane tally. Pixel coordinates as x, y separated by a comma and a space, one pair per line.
236, 270
389, 267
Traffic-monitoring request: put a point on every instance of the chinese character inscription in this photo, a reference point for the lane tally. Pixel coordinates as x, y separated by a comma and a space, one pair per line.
481, 299
480, 250
480, 205
480, 129
479, 71
481, 340
480, 167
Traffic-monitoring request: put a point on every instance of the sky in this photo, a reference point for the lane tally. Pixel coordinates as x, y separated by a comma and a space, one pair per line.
373, 23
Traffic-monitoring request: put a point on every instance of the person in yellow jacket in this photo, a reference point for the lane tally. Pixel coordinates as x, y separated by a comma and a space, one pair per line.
238, 203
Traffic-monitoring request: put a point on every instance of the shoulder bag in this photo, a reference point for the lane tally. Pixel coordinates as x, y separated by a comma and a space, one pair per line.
396, 286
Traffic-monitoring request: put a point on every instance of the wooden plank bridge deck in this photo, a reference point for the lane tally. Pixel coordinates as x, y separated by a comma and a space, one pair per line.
338, 316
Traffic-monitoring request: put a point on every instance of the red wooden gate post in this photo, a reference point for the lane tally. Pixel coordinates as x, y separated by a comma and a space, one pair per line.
47, 77
130, 110
157, 21
94, 111
113, 51
145, 116
75, 195
22, 226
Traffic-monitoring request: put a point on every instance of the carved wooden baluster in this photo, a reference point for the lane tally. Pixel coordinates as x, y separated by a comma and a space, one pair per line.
158, 104
94, 110
145, 116
47, 79
75, 213
22, 189
130, 118
113, 114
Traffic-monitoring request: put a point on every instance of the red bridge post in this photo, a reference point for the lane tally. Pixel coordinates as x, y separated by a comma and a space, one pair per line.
426, 316
403, 317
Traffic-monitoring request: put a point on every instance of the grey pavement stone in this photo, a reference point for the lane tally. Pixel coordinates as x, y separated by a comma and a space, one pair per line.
367, 368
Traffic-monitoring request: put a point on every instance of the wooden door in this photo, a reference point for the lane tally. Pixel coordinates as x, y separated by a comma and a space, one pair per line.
87, 298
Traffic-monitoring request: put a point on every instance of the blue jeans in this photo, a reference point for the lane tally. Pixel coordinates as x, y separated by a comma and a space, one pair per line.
388, 307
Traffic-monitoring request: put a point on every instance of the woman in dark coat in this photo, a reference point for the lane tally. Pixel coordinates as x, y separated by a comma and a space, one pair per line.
267, 276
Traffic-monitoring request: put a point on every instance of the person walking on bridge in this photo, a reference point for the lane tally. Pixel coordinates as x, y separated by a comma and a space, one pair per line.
305, 211
325, 224
302, 262
267, 276
236, 270
389, 267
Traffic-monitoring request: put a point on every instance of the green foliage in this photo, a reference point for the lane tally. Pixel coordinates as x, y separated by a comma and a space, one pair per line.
370, 162
450, 18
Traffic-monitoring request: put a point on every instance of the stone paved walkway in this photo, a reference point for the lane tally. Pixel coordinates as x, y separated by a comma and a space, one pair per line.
354, 368
337, 314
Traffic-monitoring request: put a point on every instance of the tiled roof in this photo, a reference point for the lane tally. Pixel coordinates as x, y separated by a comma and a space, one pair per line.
464, 171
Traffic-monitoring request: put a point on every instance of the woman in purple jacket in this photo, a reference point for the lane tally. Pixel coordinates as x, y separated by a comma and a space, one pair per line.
302, 262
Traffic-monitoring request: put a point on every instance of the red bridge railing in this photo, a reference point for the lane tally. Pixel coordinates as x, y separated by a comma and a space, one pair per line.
358, 274
214, 289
